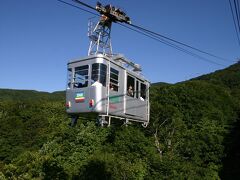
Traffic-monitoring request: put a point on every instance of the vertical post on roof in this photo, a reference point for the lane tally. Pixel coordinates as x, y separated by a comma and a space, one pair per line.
99, 35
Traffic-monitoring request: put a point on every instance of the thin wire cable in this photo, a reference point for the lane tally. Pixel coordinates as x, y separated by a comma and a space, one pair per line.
238, 8
84, 4
64, 2
178, 42
152, 35
237, 15
171, 45
234, 21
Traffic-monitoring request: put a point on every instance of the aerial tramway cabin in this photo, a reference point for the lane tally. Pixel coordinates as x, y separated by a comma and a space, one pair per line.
103, 85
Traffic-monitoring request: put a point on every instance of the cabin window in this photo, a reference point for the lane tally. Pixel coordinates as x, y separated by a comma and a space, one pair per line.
130, 86
143, 91
80, 77
137, 89
69, 78
113, 79
99, 72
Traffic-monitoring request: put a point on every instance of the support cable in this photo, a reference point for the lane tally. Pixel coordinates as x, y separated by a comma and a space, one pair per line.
64, 2
172, 45
237, 15
235, 25
178, 42
158, 37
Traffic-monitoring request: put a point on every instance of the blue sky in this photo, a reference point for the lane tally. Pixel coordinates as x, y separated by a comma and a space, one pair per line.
39, 37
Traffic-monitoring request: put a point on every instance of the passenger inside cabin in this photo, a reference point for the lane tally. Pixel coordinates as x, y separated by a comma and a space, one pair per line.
130, 91
111, 87
78, 85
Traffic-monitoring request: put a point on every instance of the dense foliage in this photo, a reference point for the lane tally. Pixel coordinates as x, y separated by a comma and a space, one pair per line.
193, 134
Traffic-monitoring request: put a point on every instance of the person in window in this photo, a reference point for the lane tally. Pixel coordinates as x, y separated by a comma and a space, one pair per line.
78, 85
111, 87
130, 91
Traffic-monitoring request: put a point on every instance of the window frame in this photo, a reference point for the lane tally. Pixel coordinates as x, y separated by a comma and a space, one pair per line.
130, 84
80, 69
137, 89
98, 73
114, 82
69, 77
143, 91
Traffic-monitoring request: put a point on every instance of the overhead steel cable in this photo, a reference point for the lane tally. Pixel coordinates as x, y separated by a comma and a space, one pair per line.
238, 8
64, 2
184, 44
156, 36
178, 42
84, 4
172, 45
237, 15
234, 21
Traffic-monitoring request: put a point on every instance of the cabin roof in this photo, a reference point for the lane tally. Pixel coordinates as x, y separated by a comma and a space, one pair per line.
118, 60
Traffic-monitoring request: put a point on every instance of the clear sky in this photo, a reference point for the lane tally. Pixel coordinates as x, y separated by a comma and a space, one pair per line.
39, 37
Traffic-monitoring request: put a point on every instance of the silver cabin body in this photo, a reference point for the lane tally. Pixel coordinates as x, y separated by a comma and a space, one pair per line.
100, 84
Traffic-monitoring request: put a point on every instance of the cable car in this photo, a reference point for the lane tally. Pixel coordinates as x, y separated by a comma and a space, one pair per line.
104, 83
105, 86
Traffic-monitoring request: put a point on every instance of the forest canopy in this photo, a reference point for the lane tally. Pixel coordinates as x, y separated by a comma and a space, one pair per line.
193, 133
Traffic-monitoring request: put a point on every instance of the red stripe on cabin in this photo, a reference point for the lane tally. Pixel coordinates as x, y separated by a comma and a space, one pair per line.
77, 100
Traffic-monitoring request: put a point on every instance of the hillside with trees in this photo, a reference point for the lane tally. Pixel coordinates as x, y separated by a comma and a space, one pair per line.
193, 133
